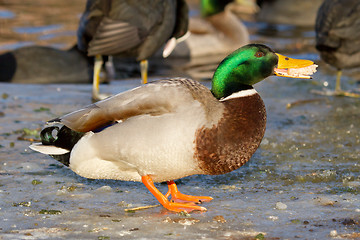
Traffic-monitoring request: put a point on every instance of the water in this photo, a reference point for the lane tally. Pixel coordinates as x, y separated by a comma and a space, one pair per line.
6, 14
24, 23
303, 182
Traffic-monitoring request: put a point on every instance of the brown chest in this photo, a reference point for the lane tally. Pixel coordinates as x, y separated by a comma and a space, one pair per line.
234, 139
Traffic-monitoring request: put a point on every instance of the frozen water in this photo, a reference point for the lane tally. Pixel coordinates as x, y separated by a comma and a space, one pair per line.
308, 162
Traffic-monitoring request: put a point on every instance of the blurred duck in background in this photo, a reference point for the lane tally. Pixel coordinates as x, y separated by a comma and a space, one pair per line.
40, 64
338, 37
300, 13
131, 29
218, 32
215, 32
223, 20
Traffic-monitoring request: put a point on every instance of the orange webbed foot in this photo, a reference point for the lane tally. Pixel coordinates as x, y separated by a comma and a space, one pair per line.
177, 196
188, 206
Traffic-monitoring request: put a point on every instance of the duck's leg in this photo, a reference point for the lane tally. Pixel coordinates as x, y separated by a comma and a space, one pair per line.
96, 95
110, 69
176, 207
96, 77
338, 91
144, 65
338, 81
177, 196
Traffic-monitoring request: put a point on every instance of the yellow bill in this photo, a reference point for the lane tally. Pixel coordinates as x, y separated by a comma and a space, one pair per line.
294, 68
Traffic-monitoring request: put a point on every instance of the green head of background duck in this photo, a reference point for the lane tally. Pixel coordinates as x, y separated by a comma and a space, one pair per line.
211, 7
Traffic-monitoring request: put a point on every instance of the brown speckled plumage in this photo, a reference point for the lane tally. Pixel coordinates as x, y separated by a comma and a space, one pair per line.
230, 144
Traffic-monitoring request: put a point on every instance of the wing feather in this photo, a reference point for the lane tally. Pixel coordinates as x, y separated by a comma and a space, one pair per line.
154, 99
113, 37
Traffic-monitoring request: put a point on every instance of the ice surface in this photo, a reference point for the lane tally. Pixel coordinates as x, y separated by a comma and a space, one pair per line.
308, 161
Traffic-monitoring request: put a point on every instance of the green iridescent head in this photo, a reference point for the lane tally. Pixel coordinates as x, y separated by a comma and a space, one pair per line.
242, 68
251, 64
211, 7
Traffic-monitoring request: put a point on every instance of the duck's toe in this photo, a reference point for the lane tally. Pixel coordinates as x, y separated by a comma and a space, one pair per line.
183, 207
340, 93
188, 198
177, 196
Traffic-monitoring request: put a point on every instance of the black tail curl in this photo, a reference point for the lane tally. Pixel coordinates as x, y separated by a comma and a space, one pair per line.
62, 137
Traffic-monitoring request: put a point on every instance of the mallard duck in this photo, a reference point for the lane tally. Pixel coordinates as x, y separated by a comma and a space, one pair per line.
224, 21
173, 128
217, 32
214, 34
129, 28
338, 37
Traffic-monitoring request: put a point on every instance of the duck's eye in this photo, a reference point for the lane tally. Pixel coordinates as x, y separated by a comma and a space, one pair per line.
259, 54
